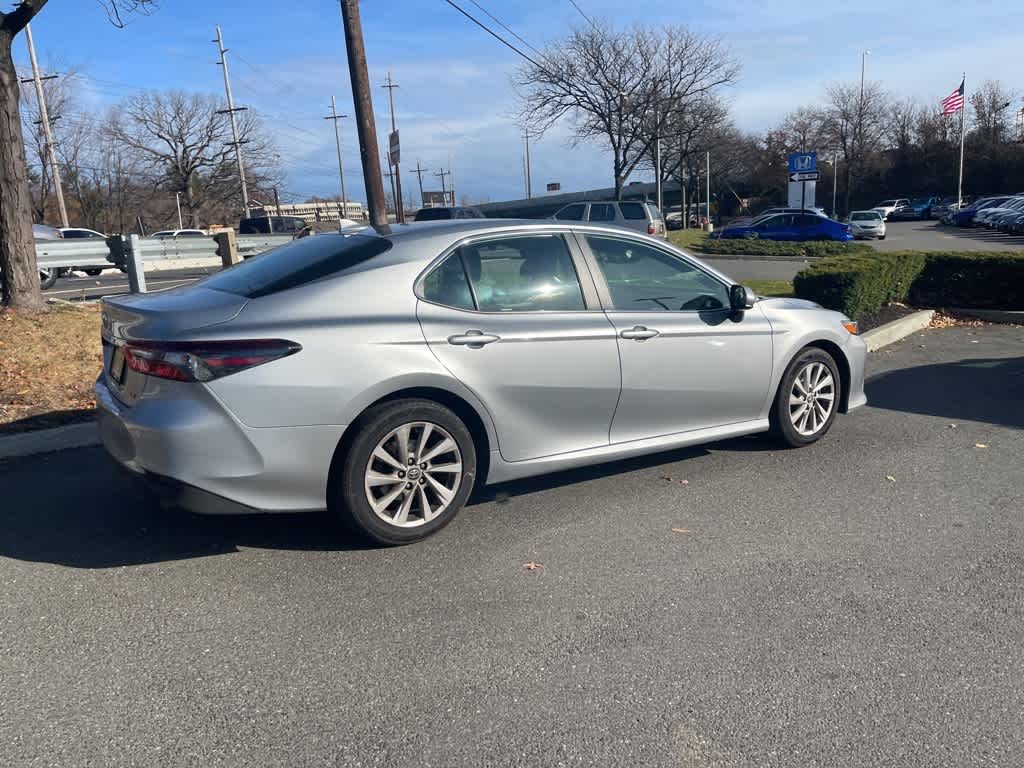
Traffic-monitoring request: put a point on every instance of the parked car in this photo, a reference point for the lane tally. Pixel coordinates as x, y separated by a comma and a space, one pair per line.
965, 216
918, 208
986, 216
271, 225
867, 224
771, 211
383, 376
81, 233
1008, 222
943, 207
441, 213
886, 207
169, 233
788, 226
629, 214
674, 218
47, 277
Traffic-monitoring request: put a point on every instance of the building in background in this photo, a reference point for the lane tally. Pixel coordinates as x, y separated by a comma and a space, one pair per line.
319, 210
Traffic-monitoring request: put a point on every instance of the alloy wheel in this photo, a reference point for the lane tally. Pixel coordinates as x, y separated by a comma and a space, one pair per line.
812, 398
413, 474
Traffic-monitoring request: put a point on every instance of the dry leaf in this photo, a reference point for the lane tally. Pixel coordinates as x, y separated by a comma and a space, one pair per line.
532, 566
890, 478
680, 530
980, 445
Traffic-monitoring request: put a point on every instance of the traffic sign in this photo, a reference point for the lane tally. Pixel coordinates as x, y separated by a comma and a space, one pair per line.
802, 162
804, 176
394, 148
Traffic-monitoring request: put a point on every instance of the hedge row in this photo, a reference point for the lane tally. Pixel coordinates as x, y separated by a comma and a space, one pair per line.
758, 247
862, 284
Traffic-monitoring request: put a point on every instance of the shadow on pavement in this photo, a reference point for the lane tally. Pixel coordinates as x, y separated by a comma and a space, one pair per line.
984, 389
77, 508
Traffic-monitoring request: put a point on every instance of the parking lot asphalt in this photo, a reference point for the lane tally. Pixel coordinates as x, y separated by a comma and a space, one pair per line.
934, 236
78, 286
855, 603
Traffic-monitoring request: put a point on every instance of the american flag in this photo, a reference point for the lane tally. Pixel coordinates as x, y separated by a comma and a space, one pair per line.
954, 102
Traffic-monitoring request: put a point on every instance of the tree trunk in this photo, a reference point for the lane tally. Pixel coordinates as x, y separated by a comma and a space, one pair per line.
17, 247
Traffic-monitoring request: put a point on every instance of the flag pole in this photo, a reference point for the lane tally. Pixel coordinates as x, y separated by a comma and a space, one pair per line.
963, 124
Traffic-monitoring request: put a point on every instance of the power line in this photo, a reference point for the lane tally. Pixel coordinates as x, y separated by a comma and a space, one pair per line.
508, 29
580, 10
494, 34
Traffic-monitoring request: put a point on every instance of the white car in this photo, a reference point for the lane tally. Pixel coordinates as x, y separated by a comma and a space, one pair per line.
867, 224
179, 233
888, 206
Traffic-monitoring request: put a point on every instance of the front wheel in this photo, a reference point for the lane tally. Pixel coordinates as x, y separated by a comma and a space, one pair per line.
807, 400
409, 470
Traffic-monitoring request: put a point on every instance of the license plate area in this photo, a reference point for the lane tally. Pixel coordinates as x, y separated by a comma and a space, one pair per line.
116, 369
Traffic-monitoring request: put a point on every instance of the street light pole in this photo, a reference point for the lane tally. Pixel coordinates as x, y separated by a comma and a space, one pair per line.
177, 202
863, 61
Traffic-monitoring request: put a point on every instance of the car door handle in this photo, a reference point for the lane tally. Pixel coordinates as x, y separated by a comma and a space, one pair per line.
472, 339
639, 332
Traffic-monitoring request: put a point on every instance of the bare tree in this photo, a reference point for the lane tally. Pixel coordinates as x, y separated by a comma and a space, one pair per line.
990, 105
613, 84
184, 141
18, 272
802, 130
855, 124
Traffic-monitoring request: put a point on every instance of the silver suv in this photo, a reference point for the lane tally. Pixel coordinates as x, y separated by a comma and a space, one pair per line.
628, 214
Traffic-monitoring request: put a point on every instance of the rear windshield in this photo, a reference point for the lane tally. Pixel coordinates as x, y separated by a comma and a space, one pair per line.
433, 214
297, 263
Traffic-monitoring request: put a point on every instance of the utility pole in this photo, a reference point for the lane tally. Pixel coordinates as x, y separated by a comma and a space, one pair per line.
451, 174
363, 103
657, 158
707, 186
418, 170
442, 173
526, 138
177, 202
337, 140
399, 213
391, 180
684, 214
277, 202
236, 142
44, 118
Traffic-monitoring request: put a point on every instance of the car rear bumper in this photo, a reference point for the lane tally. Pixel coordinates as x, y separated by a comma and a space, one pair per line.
214, 463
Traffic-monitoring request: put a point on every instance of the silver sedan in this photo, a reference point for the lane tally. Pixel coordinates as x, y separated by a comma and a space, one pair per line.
381, 375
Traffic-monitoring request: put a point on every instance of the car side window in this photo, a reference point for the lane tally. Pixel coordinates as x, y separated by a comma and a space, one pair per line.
780, 221
807, 220
632, 211
602, 212
531, 273
447, 284
571, 213
644, 279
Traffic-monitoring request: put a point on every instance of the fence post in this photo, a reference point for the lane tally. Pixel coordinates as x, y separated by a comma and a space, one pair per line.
227, 247
133, 261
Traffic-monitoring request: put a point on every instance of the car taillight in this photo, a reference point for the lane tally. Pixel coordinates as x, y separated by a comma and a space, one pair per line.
651, 229
203, 360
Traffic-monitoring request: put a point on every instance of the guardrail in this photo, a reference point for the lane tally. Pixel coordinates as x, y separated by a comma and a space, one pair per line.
93, 252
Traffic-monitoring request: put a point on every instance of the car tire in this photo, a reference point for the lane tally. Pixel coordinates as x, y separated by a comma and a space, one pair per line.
881, 237
48, 278
813, 371
421, 497
92, 272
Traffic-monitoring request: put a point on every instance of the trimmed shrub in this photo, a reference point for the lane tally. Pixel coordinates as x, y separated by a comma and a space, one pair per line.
862, 284
859, 285
971, 280
758, 247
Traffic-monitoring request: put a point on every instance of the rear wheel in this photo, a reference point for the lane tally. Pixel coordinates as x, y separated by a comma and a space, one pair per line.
48, 278
807, 400
92, 272
409, 470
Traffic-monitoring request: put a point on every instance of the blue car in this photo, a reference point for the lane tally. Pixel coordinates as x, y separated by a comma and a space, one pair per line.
788, 226
965, 216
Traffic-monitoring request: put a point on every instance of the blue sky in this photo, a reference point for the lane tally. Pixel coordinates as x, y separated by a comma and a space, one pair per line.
455, 98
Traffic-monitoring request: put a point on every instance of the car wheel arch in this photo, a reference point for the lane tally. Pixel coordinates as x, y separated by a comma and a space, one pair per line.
460, 406
836, 353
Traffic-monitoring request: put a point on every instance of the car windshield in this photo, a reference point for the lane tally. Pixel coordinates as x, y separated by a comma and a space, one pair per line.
865, 216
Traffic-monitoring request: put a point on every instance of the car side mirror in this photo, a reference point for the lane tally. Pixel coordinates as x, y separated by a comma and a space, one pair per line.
741, 298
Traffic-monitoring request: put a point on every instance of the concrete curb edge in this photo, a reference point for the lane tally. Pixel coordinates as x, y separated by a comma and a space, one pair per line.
892, 332
48, 440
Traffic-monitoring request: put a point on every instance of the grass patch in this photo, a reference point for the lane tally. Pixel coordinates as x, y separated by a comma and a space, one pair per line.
687, 239
48, 363
771, 287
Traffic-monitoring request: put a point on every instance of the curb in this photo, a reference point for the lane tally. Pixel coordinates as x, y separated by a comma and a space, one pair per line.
48, 440
886, 334
1008, 316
